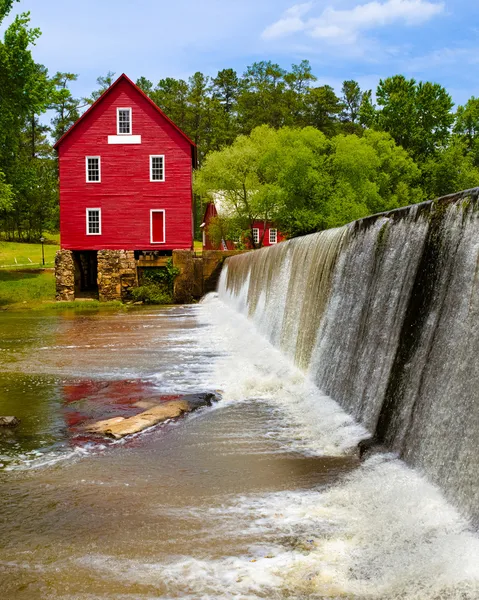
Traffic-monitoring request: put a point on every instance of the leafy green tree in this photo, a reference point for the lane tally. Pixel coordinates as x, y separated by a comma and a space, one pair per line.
6, 7
25, 93
323, 108
351, 99
305, 182
145, 85
103, 82
231, 178
451, 169
466, 127
171, 95
417, 115
66, 107
367, 111
261, 98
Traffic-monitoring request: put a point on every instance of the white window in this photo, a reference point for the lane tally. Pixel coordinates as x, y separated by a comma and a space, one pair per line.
93, 169
157, 226
255, 235
157, 168
273, 236
123, 121
93, 221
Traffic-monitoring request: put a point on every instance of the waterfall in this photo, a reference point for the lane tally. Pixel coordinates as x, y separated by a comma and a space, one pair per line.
383, 314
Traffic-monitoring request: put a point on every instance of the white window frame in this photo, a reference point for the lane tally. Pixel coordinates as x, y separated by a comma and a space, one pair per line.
87, 158
152, 156
156, 210
118, 120
255, 235
88, 221
275, 241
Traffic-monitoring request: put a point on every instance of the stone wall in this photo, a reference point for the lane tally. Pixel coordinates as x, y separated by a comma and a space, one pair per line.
64, 275
184, 282
116, 274
212, 264
198, 274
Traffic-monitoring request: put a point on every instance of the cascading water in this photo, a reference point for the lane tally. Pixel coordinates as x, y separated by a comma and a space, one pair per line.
384, 316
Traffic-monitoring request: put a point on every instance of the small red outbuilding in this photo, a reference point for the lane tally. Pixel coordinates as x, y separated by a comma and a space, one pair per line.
125, 176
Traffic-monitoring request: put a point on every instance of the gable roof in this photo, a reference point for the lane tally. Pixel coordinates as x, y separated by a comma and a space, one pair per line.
123, 77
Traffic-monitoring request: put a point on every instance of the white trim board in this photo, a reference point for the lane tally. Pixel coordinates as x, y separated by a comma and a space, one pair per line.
124, 138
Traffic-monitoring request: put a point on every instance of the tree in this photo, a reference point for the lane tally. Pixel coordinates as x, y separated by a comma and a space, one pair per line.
230, 177
466, 127
305, 182
104, 82
171, 96
261, 98
6, 7
66, 107
417, 115
145, 85
323, 108
351, 99
450, 170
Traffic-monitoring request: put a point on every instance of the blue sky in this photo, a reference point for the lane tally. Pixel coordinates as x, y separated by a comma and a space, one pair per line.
435, 40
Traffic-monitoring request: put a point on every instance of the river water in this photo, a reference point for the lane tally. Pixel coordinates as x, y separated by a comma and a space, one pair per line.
260, 496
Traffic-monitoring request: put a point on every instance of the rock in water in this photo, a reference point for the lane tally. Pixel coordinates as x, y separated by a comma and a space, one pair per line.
9, 421
119, 427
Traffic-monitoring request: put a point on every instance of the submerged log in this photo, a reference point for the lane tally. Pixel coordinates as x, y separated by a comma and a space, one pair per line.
9, 421
119, 427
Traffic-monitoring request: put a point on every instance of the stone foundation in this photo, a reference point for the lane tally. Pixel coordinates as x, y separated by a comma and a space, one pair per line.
65, 275
117, 273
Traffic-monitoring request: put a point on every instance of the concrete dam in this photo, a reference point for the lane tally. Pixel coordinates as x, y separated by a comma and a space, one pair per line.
383, 316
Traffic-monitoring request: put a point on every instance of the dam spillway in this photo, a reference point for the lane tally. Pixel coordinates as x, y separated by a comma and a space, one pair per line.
383, 315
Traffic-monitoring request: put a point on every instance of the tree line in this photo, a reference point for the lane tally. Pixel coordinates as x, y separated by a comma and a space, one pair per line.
415, 121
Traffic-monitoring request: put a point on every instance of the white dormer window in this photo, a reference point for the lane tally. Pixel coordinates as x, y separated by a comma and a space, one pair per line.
123, 121
273, 236
157, 168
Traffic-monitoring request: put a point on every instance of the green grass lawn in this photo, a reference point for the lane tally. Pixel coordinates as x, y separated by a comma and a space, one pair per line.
13, 254
24, 289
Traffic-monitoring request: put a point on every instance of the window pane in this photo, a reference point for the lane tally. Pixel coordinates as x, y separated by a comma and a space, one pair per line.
272, 236
157, 168
93, 169
93, 217
124, 121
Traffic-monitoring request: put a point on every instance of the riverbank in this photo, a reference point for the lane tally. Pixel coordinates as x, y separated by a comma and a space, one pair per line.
34, 289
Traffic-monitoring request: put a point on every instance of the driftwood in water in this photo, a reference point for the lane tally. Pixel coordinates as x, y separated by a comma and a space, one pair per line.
119, 427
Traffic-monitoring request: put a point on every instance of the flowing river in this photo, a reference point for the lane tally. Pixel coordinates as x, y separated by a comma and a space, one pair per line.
260, 496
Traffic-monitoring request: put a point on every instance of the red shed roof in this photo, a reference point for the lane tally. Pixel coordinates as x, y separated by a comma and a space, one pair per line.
123, 77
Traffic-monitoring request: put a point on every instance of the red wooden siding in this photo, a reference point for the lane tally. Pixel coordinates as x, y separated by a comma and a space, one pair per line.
125, 194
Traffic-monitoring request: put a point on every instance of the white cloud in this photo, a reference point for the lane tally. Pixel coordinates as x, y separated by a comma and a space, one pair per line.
290, 22
345, 26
